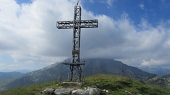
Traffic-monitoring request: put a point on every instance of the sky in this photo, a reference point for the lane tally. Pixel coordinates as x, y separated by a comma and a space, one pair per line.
136, 32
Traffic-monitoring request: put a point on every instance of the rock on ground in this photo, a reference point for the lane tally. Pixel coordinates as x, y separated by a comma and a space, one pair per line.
69, 91
48, 91
93, 91
80, 92
62, 91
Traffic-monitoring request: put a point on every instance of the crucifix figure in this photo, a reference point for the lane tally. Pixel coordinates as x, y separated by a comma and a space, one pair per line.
75, 65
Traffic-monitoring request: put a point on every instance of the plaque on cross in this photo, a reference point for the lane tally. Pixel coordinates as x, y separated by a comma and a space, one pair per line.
76, 25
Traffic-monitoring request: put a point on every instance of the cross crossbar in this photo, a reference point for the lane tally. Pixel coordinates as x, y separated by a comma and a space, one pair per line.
83, 24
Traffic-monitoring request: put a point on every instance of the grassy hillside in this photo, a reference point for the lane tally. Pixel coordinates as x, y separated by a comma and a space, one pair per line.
119, 85
4, 82
116, 85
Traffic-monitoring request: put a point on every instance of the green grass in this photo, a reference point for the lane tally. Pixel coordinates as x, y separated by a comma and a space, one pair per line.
34, 89
119, 85
116, 85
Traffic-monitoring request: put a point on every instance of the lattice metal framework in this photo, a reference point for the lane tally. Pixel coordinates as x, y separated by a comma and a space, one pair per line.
76, 24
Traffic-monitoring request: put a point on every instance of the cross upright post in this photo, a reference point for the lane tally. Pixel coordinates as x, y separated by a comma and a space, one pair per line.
76, 24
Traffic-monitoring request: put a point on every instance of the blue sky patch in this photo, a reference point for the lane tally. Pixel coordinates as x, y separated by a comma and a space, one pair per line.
23, 1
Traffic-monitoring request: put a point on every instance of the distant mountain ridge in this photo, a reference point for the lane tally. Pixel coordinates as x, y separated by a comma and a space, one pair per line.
21, 71
166, 76
58, 71
9, 75
158, 71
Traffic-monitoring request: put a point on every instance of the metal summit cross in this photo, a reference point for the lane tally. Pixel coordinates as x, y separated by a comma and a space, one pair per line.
75, 65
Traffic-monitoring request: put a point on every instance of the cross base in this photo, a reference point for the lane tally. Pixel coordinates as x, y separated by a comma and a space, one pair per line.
75, 71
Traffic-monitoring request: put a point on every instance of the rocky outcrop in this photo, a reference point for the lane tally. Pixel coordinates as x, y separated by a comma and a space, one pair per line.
70, 91
93, 91
63, 91
48, 91
80, 92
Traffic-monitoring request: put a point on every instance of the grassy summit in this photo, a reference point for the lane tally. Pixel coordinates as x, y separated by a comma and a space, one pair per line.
119, 85
115, 85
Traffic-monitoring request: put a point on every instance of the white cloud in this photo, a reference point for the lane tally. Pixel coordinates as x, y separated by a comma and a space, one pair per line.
29, 35
152, 62
109, 2
27, 31
141, 6
92, 1
122, 40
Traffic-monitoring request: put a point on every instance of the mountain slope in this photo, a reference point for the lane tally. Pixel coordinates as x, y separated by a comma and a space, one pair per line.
110, 66
7, 77
166, 76
92, 66
164, 82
